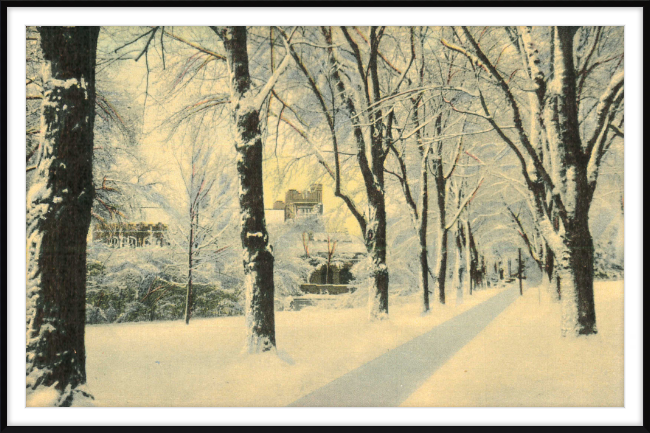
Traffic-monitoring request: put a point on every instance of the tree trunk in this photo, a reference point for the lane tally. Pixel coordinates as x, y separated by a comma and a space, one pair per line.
422, 231
59, 204
468, 258
441, 196
257, 253
575, 256
188, 296
376, 246
551, 273
548, 264
441, 266
424, 266
576, 274
372, 171
380, 134
459, 274
519, 274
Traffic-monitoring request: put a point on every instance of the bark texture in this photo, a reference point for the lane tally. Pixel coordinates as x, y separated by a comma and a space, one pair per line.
58, 215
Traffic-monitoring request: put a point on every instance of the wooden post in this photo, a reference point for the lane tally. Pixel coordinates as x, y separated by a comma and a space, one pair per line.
521, 287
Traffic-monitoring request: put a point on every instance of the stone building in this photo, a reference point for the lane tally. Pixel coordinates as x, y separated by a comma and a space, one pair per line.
300, 203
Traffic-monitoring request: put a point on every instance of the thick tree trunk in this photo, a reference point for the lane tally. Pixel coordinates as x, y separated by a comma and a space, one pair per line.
257, 253
380, 134
576, 274
575, 256
58, 219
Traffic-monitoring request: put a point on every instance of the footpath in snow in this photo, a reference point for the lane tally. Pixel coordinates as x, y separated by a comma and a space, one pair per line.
388, 380
202, 364
520, 359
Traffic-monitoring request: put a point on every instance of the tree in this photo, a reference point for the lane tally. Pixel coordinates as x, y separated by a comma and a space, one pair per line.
464, 261
432, 124
203, 212
59, 204
359, 93
114, 159
420, 219
561, 150
257, 253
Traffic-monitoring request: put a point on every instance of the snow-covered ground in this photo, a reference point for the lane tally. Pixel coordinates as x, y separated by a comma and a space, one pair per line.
519, 359
172, 364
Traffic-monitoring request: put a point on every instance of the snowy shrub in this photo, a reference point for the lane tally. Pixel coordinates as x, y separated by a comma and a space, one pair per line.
134, 312
607, 264
95, 315
111, 314
403, 255
211, 301
607, 227
292, 266
131, 285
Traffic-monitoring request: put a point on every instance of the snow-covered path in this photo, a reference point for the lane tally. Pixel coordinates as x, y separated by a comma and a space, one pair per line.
391, 378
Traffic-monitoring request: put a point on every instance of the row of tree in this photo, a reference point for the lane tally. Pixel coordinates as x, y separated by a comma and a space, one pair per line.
534, 109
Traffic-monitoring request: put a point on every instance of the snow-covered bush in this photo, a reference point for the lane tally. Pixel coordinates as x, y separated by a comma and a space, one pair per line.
95, 315
608, 257
138, 284
292, 265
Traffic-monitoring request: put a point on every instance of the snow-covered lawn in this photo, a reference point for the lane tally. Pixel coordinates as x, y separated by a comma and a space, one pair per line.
520, 359
172, 364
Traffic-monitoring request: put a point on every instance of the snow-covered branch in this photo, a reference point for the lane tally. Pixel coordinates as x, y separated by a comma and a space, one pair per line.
610, 95
462, 206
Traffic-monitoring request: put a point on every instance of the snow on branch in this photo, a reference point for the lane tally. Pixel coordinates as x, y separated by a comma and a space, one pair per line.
464, 203
264, 93
609, 96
